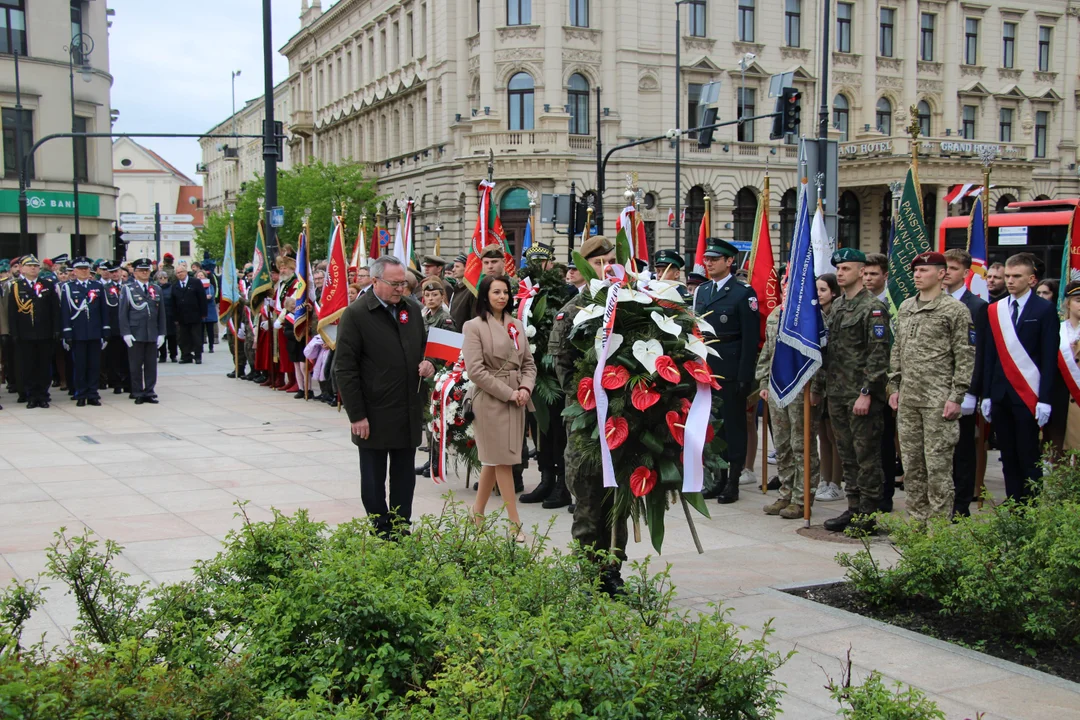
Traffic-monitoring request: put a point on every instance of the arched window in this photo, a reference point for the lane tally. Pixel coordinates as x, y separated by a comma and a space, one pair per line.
788, 202
1003, 202
577, 95
695, 210
924, 118
520, 91
883, 117
847, 222
745, 210
840, 116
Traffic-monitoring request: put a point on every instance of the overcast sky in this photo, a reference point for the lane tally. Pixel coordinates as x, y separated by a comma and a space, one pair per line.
171, 64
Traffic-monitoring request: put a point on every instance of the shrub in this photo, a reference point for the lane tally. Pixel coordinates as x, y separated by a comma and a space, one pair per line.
872, 700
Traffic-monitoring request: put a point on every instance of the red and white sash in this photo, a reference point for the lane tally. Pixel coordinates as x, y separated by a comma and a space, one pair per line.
1067, 364
1019, 368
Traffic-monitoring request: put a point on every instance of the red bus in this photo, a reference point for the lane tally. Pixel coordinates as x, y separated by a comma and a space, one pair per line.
1042, 226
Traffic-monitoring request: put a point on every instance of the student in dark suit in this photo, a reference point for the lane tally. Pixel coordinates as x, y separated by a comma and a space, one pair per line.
1023, 335
189, 310
732, 311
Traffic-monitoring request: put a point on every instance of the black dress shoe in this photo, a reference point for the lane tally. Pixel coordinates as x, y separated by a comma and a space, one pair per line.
840, 522
886, 506
94, 402
81, 402
30, 405
211, 349
198, 361
22, 398
299, 395
139, 400
185, 362
118, 391
231, 375
571, 508
712, 493
44, 404
152, 400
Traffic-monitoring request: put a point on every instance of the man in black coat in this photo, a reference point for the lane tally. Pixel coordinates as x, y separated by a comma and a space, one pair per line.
378, 363
189, 311
34, 319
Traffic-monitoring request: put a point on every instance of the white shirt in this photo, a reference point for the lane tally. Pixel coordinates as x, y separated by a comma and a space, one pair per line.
1020, 302
719, 284
959, 293
884, 296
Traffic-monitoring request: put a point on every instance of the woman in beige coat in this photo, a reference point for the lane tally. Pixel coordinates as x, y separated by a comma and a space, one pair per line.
499, 363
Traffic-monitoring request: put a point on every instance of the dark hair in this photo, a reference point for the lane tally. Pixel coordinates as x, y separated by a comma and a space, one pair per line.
1052, 284
830, 280
483, 307
878, 260
1022, 259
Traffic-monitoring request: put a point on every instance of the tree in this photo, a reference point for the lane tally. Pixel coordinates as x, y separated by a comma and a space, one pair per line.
318, 186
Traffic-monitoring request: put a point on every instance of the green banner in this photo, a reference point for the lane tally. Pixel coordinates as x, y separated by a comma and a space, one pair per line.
40, 202
911, 239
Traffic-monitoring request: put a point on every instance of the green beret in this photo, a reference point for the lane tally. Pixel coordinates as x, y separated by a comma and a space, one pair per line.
715, 247
844, 255
668, 257
596, 245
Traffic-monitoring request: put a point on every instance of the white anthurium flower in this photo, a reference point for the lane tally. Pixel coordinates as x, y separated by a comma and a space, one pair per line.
665, 290
646, 352
630, 295
532, 348
697, 346
596, 285
530, 331
588, 313
666, 323
704, 326
614, 343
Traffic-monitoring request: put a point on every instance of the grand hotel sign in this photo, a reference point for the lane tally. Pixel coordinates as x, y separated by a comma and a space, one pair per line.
943, 148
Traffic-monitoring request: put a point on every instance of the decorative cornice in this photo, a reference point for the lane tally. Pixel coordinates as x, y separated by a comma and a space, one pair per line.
974, 8
473, 41
1045, 77
972, 70
844, 78
744, 47
794, 53
518, 54
930, 86
582, 56
699, 44
518, 32
575, 33
1009, 73
927, 67
888, 81
848, 59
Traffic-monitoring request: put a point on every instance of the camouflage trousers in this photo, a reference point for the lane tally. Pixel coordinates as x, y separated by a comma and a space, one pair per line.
858, 442
927, 443
592, 511
787, 431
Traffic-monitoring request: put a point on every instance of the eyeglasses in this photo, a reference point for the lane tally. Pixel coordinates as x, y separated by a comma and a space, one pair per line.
396, 285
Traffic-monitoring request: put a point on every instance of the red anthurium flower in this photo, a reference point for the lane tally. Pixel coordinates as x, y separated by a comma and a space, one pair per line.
614, 377
665, 368
642, 481
700, 372
709, 434
644, 396
585, 395
684, 406
675, 423
616, 430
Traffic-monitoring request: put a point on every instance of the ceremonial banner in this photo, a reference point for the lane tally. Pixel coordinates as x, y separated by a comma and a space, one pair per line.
823, 247
443, 345
763, 278
304, 292
1070, 260
360, 253
335, 296
976, 275
488, 231
260, 274
526, 243
703, 234
911, 240
230, 291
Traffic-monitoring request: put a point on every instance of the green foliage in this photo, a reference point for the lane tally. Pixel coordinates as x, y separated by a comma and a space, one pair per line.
550, 298
872, 700
1015, 572
316, 185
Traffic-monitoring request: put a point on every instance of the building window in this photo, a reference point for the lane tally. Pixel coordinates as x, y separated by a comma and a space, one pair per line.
76, 30
926, 38
967, 128
697, 18
844, 11
888, 22
924, 118
410, 50
746, 20
792, 22
1042, 121
1044, 49
518, 12
1005, 125
847, 224
521, 102
788, 205
578, 98
579, 13
971, 41
12, 27
1008, 45
745, 214
746, 109
82, 166
11, 167
883, 116
693, 97
840, 116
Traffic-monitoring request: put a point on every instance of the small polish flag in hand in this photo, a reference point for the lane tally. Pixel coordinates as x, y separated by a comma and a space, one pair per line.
443, 345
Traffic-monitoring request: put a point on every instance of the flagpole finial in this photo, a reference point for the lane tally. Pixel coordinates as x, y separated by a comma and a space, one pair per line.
491, 164
987, 155
819, 181
307, 215
533, 196
262, 204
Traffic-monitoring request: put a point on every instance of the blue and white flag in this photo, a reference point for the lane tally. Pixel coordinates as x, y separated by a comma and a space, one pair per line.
801, 335
526, 243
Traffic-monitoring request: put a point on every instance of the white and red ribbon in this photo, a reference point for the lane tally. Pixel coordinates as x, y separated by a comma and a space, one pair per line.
1067, 364
513, 332
1019, 368
615, 281
439, 476
526, 294
694, 434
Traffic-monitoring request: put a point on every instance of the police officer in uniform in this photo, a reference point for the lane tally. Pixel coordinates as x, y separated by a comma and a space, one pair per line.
668, 266
852, 377
85, 318
34, 321
730, 306
593, 507
142, 325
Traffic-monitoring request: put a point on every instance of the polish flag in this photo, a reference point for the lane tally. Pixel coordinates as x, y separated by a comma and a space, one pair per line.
443, 345
670, 217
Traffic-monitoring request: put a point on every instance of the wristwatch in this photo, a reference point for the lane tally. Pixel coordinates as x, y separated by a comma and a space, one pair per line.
864, 391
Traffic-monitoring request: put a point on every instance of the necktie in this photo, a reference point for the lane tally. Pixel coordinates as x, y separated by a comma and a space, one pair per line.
1015, 311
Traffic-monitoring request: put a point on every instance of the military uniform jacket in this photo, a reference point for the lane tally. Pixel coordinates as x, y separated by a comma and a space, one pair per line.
142, 314
857, 354
33, 310
83, 311
733, 313
5, 299
440, 319
764, 363
112, 305
933, 355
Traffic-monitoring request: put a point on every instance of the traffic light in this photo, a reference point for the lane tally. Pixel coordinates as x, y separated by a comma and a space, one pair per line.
705, 137
788, 109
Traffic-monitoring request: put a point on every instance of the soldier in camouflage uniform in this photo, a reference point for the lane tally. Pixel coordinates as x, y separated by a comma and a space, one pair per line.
592, 511
436, 314
931, 368
787, 430
853, 375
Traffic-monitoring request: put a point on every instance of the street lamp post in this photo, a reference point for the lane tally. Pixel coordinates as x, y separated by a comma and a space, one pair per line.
235, 74
82, 44
678, 119
24, 220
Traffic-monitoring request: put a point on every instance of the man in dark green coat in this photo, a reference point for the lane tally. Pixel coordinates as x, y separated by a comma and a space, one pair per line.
378, 364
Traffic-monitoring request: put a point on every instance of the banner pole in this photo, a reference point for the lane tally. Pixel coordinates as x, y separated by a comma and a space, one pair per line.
765, 448
806, 454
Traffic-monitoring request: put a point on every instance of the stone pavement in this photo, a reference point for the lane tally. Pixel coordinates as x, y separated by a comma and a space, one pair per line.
161, 480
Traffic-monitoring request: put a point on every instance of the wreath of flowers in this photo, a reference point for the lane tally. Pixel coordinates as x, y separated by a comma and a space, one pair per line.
551, 294
657, 360
453, 383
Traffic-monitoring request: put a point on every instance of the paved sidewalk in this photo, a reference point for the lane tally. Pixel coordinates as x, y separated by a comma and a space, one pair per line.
161, 481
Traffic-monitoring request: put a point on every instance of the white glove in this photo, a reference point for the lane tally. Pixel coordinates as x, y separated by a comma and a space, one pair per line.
65, 344
985, 409
160, 340
1042, 414
264, 326
129, 339
968, 406
241, 333
104, 342
277, 324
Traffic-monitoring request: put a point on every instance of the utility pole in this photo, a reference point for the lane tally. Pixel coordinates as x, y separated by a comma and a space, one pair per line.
269, 141
601, 183
572, 224
157, 232
823, 113
24, 220
678, 137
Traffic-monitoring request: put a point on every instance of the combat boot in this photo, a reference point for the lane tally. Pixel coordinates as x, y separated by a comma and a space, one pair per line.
542, 491
730, 493
840, 522
793, 511
776, 507
560, 494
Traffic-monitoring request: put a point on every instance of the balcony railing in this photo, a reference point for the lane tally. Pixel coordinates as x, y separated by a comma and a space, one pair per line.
582, 143
514, 141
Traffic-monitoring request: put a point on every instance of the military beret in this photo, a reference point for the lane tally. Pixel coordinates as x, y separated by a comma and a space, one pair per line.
539, 252
29, 260
715, 247
167, 257
17, 260
492, 251
668, 257
462, 258
433, 260
141, 264
843, 255
928, 258
596, 245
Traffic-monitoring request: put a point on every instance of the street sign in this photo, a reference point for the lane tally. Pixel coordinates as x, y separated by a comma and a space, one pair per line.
176, 237
742, 245
1013, 235
277, 216
134, 217
177, 227
137, 227
138, 237
182, 218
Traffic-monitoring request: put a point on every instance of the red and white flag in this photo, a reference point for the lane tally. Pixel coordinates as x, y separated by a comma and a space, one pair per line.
671, 217
443, 345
